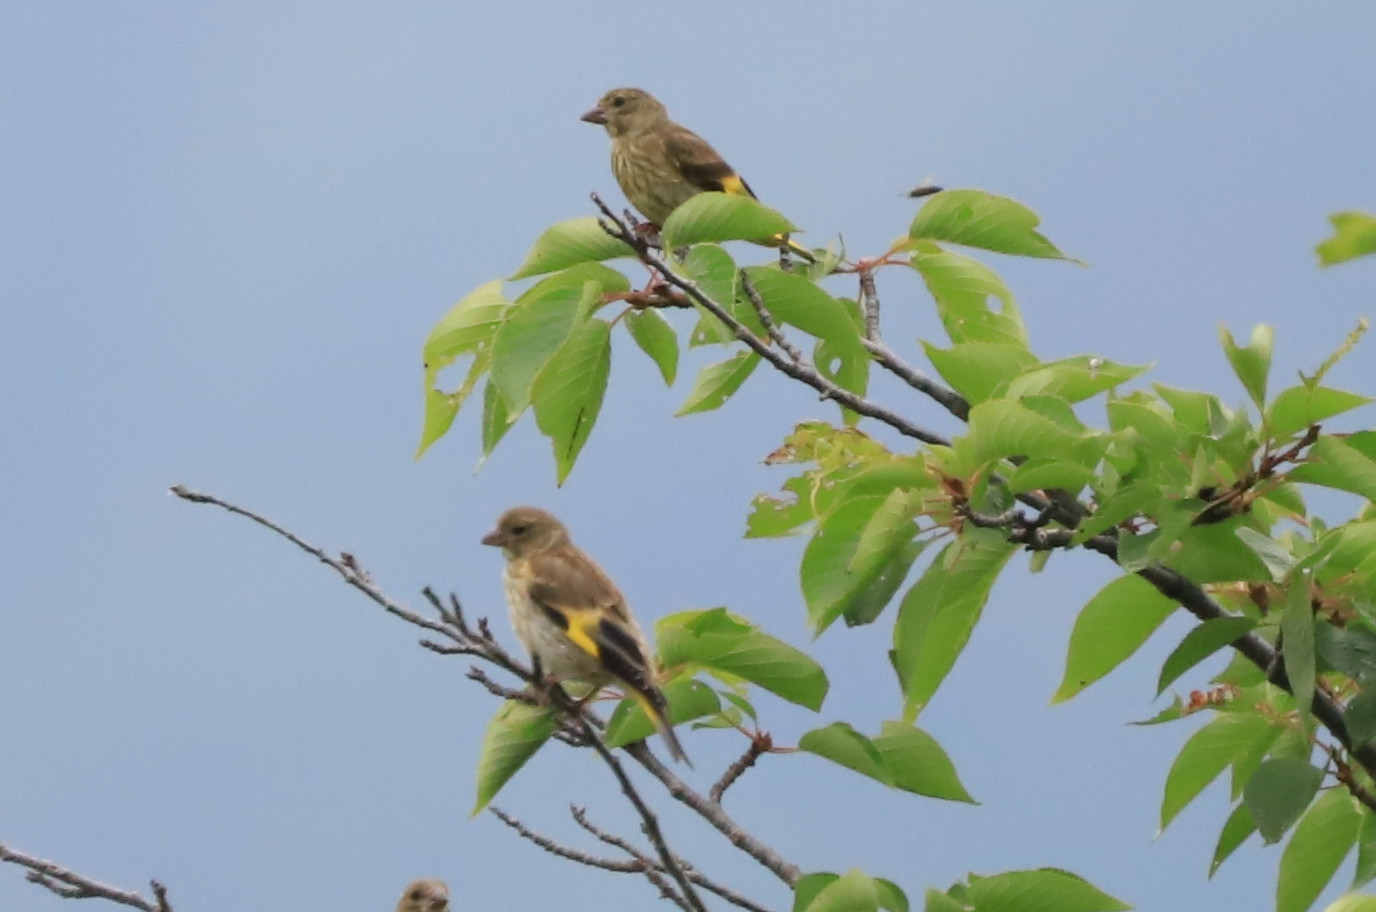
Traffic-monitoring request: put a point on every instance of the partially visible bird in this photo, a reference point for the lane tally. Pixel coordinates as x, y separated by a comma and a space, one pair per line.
424, 896
660, 165
570, 616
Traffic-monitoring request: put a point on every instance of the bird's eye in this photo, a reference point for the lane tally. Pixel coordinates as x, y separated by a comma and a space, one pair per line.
618, 101
518, 530
415, 896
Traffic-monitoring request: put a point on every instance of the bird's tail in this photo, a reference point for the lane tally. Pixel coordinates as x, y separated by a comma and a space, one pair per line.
655, 706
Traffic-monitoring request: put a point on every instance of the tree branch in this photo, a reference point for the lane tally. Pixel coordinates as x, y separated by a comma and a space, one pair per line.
480, 643
781, 362
70, 885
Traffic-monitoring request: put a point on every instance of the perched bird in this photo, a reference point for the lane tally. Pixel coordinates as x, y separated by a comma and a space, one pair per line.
660, 164
424, 896
570, 616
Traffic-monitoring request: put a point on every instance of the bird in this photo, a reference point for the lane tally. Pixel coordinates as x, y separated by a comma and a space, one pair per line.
424, 896
660, 165
570, 616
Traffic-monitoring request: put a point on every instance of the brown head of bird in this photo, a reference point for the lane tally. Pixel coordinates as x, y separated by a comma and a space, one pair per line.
428, 895
523, 530
624, 111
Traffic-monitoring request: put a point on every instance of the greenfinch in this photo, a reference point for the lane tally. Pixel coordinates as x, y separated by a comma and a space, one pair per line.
570, 616
660, 164
424, 896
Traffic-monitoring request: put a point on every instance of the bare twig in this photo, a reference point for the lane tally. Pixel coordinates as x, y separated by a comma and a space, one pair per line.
649, 822
944, 396
563, 851
697, 877
70, 885
714, 814
760, 744
869, 300
771, 326
642, 863
1344, 774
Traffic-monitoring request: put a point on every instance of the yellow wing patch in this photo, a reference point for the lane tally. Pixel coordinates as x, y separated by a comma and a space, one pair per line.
582, 624
733, 184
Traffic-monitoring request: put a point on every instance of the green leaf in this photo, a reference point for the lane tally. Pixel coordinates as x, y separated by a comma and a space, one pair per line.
721, 217
1352, 902
978, 219
1200, 643
468, 329
568, 391
469, 325
1366, 852
1297, 633
688, 700
808, 886
1235, 832
1040, 474
1335, 463
854, 891
569, 243
1001, 429
513, 736
1354, 235
842, 744
1278, 793
656, 338
1073, 379
1206, 754
718, 382
1110, 628
962, 287
938, 614
796, 301
1253, 363
1322, 839
534, 330
715, 274
720, 642
1279, 560
861, 540
496, 419
1044, 888
977, 370
1298, 407
918, 764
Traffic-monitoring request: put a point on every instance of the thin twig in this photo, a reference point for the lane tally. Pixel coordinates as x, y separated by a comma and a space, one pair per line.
643, 864
649, 822
944, 396
771, 326
1343, 773
761, 743
563, 851
714, 814
70, 885
345, 565
696, 876
869, 300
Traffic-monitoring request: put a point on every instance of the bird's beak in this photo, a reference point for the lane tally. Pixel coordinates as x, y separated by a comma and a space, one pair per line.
595, 116
495, 538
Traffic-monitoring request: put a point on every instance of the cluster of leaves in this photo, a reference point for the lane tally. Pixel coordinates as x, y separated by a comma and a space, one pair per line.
1186, 493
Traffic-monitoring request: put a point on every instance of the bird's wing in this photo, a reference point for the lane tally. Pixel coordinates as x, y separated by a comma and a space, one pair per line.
700, 164
576, 595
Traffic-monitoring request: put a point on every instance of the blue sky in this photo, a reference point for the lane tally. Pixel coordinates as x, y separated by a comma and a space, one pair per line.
225, 231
